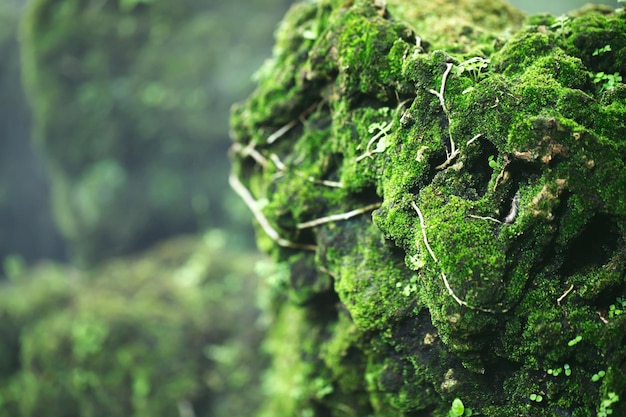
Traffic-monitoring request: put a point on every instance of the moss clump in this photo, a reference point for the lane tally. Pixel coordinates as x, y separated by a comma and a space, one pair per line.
172, 331
492, 166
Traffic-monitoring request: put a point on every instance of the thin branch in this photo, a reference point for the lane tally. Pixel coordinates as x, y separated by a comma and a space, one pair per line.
443, 275
280, 132
249, 150
485, 218
472, 140
286, 128
442, 101
253, 205
565, 294
423, 226
338, 217
283, 168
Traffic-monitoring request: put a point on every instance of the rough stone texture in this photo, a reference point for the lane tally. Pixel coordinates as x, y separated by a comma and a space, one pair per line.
446, 199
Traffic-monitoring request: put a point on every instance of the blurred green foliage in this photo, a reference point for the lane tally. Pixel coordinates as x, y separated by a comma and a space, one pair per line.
171, 330
130, 102
26, 225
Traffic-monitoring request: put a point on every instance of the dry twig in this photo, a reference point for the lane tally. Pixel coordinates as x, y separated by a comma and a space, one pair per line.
338, 217
253, 205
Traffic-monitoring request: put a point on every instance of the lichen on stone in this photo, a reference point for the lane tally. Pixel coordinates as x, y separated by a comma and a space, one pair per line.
459, 199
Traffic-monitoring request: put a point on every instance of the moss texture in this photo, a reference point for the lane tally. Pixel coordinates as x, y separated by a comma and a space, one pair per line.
447, 199
171, 332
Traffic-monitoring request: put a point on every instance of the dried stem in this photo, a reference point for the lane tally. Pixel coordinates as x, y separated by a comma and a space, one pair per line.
485, 218
253, 205
565, 294
338, 217
286, 128
450, 155
443, 275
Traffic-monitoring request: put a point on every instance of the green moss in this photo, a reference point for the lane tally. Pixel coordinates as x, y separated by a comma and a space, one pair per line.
171, 329
500, 235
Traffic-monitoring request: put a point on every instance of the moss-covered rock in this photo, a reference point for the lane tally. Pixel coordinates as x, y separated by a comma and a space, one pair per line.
448, 198
173, 331
130, 99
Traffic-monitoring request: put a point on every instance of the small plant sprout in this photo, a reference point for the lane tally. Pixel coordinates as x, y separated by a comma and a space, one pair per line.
492, 163
560, 25
600, 51
567, 369
474, 66
606, 81
605, 409
458, 409
380, 136
554, 371
575, 341
535, 397
618, 308
598, 376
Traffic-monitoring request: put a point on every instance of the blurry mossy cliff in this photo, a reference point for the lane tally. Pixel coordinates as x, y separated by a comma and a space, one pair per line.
146, 336
443, 185
129, 101
26, 226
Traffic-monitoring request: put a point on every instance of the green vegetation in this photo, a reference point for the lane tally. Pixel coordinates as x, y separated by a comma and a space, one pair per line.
445, 199
130, 103
458, 409
170, 332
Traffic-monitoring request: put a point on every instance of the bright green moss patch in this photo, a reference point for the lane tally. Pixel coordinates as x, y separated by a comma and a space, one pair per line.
460, 198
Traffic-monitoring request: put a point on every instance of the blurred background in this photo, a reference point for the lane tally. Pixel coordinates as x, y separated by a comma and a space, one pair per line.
128, 276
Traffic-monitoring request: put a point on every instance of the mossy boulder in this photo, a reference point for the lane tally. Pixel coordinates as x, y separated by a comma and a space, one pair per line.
129, 102
445, 189
173, 331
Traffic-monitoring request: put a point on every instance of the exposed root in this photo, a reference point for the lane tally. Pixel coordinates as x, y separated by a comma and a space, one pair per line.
253, 205
443, 275
283, 168
565, 294
485, 218
286, 128
453, 152
338, 217
474, 139
250, 151
503, 176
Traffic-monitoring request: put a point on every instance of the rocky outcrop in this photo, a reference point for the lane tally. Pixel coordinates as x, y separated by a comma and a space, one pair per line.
444, 190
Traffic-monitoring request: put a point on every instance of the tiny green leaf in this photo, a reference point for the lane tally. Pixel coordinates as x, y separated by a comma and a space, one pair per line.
457, 408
